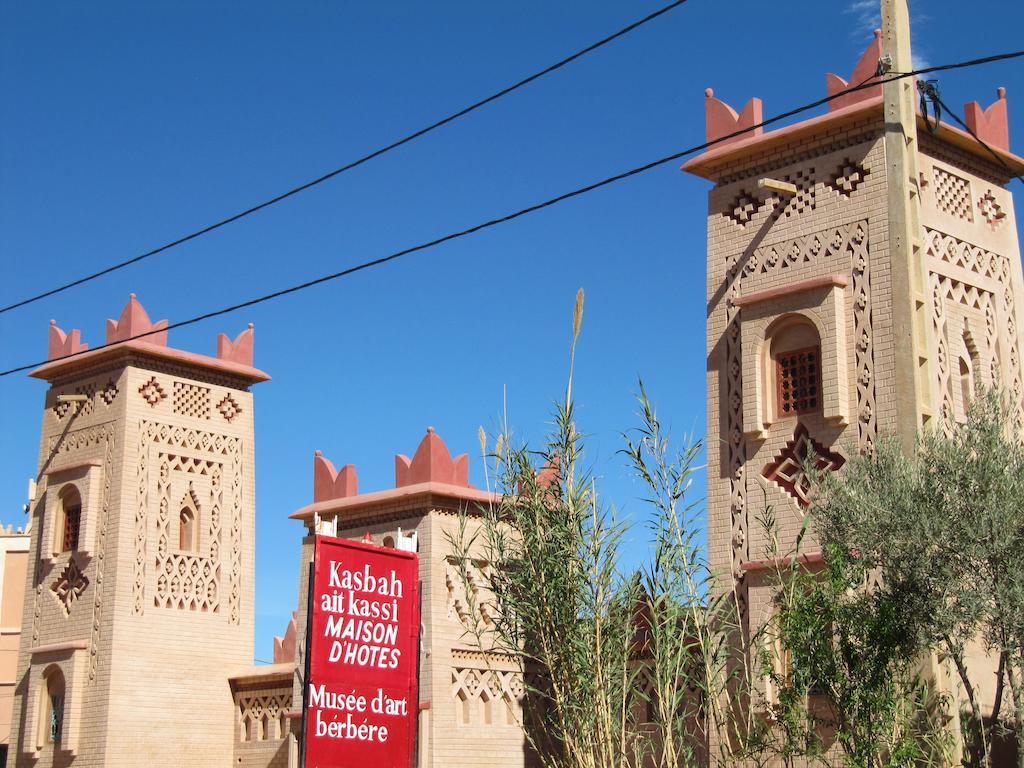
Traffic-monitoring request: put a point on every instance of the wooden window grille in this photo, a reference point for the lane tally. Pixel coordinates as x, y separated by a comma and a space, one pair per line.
798, 380
72, 525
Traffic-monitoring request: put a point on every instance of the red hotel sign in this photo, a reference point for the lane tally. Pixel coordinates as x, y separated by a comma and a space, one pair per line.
362, 699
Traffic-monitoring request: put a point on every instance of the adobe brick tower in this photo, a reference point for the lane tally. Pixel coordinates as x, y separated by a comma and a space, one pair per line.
139, 596
470, 698
846, 302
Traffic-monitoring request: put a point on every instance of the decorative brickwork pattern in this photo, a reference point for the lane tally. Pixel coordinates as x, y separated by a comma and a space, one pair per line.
942, 354
848, 177
991, 211
84, 442
804, 199
999, 311
476, 609
953, 194
742, 209
864, 335
152, 392
109, 393
228, 408
69, 585
262, 715
487, 696
188, 580
89, 390
191, 400
787, 468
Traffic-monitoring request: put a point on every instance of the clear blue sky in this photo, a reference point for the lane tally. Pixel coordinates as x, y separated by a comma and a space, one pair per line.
125, 125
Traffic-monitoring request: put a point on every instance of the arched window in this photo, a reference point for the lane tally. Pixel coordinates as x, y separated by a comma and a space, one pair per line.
389, 542
69, 520
52, 714
795, 350
187, 530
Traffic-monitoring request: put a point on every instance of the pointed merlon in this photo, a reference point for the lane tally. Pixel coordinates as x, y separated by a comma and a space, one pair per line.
133, 322
62, 344
432, 463
990, 125
721, 120
238, 351
284, 647
863, 72
329, 483
549, 473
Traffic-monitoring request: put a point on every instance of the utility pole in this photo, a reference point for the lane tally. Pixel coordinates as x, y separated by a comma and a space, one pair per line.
913, 341
911, 325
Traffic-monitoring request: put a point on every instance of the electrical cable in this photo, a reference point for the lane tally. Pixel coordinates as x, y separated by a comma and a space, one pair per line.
349, 166
511, 216
977, 138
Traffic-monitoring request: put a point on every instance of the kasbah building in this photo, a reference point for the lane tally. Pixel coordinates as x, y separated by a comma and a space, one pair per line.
857, 286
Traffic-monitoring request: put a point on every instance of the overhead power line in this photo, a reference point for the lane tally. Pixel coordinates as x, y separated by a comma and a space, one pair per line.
521, 212
978, 139
348, 166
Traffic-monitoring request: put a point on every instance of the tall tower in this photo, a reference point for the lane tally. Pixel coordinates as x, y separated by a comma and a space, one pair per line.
833, 318
139, 595
470, 699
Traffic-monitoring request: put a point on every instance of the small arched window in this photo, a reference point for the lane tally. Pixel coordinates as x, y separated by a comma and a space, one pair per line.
389, 542
795, 349
187, 530
69, 520
53, 706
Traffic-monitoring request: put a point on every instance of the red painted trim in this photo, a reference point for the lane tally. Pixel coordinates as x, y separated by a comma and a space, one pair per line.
57, 368
424, 705
841, 280
390, 496
709, 164
808, 558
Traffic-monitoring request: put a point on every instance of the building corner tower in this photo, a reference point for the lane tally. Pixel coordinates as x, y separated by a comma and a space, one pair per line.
846, 300
139, 594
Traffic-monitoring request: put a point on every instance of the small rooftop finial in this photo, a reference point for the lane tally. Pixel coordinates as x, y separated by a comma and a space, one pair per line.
991, 124
62, 344
865, 72
432, 463
330, 483
720, 119
133, 322
241, 349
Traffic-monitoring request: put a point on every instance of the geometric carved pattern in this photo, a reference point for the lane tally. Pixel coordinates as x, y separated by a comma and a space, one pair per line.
89, 390
742, 209
999, 312
852, 241
263, 715
84, 442
229, 408
803, 200
848, 177
477, 693
480, 602
109, 392
191, 400
152, 392
188, 580
991, 211
953, 194
786, 470
70, 585
863, 334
